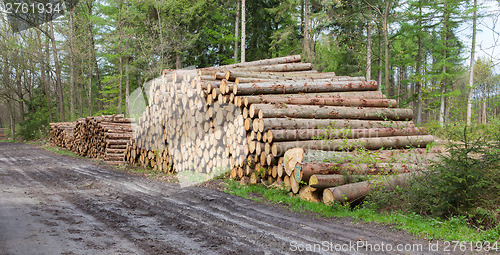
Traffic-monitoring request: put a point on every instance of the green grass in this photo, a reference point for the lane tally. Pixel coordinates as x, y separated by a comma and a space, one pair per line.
58, 150
425, 227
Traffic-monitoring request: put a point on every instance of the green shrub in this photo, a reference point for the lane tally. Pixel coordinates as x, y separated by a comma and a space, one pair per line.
465, 183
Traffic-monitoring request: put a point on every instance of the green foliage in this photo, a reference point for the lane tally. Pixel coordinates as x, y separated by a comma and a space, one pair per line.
455, 131
465, 183
454, 228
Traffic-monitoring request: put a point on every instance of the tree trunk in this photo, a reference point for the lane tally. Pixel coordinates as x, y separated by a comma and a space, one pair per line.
380, 59
72, 66
295, 123
127, 87
58, 74
289, 67
236, 31
471, 68
484, 105
445, 56
89, 97
418, 84
356, 191
178, 60
12, 118
45, 79
368, 51
305, 42
328, 112
243, 30
279, 148
303, 87
329, 100
94, 59
331, 180
120, 58
386, 48
324, 134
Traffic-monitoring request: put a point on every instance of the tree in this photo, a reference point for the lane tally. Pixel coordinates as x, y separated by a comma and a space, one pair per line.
243, 30
471, 68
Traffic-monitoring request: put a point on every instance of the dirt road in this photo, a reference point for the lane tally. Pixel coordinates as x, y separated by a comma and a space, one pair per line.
54, 204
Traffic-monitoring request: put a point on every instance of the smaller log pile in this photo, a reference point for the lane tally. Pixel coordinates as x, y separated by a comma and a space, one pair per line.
2, 133
104, 137
62, 134
347, 176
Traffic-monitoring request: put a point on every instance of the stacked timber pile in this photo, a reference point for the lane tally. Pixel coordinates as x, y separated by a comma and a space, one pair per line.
104, 137
178, 128
197, 119
347, 176
62, 134
2, 133
290, 111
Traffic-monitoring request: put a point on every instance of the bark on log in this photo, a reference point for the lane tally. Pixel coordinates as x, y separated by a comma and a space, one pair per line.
328, 112
355, 191
406, 156
332, 180
297, 123
304, 171
279, 148
303, 87
329, 100
272, 61
288, 67
322, 134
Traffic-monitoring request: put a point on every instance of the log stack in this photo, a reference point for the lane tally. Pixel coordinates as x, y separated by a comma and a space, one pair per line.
104, 137
62, 134
248, 116
3, 135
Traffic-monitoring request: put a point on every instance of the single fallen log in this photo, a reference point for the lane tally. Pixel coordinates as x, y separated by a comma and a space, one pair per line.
330, 100
304, 171
328, 112
297, 123
321, 134
272, 61
331, 180
288, 67
355, 191
293, 87
279, 148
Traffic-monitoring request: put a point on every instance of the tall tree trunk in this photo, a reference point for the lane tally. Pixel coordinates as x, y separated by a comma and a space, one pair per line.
178, 60
471, 68
94, 58
72, 66
58, 73
243, 30
368, 51
445, 56
484, 107
120, 58
380, 60
305, 41
12, 118
386, 48
418, 84
46, 78
89, 97
127, 86
236, 31
19, 89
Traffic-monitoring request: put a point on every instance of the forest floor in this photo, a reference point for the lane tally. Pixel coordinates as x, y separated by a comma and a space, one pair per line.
58, 204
